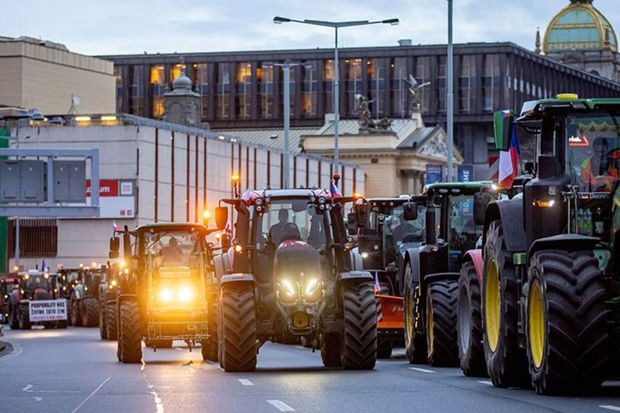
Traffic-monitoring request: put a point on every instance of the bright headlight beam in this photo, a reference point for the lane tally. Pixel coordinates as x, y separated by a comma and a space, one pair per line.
186, 294
289, 287
165, 295
311, 286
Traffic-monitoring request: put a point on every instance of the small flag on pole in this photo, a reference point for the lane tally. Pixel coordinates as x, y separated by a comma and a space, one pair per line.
377, 285
333, 188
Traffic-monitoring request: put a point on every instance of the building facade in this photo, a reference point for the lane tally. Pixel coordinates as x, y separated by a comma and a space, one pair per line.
244, 89
47, 76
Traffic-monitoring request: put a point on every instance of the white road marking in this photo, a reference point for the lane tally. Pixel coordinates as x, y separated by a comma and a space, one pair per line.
488, 383
246, 382
421, 370
17, 349
91, 395
37, 398
280, 405
27, 388
610, 407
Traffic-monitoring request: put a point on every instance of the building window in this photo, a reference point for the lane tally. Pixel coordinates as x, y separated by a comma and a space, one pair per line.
309, 89
222, 91
399, 92
490, 83
201, 80
38, 238
352, 82
176, 70
423, 74
243, 85
328, 86
441, 85
118, 75
466, 83
136, 89
264, 76
376, 85
158, 88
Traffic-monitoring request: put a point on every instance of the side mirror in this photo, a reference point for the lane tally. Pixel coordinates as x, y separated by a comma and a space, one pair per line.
221, 217
226, 241
481, 200
115, 244
529, 168
352, 223
502, 125
410, 210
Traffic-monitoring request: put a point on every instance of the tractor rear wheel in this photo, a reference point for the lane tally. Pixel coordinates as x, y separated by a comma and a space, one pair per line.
441, 298
61, 324
469, 323
331, 349
131, 334
415, 344
74, 312
111, 321
567, 342
103, 325
24, 317
359, 342
506, 362
89, 312
237, 321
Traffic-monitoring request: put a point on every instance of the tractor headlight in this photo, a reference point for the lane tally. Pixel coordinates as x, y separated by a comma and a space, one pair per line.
312, 289
287, 289
185, 294
165, 295
544, 203
113, 283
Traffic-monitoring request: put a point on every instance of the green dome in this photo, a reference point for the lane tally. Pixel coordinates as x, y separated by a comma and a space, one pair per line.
579, 26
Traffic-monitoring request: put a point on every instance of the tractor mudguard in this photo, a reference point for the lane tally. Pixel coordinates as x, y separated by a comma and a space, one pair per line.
126, 297
510, 212
412, 255
564, 242
237, 278
356, 260
475, 256
355, 275
441, 276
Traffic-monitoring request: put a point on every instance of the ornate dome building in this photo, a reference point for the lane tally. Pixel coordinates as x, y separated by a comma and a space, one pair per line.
581, 36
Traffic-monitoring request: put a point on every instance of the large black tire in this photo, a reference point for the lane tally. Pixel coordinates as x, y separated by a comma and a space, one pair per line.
111, 320
89, 312
506, 362
469, 323
384, 347
24, 317
62, 324
566, 330
131, 336
441, 298
237, 322
74, 312
330, 349
103, 324
209, 347
359, 342
415, 343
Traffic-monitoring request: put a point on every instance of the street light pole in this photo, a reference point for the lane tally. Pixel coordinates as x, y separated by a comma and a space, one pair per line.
450, 97
287, 122
336, 83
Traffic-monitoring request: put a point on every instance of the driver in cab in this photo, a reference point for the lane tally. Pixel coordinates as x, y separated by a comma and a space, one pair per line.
283, 230
599, 172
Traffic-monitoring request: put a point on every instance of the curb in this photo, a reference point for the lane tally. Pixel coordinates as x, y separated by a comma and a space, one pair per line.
2, 346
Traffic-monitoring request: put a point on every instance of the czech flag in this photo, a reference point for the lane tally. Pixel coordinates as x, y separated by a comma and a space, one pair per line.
509, 162
333, 188
377, 286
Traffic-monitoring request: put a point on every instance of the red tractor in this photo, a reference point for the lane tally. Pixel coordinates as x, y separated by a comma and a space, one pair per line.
291, 271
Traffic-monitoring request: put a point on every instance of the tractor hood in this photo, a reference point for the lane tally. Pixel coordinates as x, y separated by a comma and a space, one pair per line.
293, 258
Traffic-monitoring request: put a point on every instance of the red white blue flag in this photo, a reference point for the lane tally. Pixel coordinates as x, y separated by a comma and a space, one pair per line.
509, 162
333, 188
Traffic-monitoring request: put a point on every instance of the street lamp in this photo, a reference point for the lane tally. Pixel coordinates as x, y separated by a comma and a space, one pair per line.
335, 26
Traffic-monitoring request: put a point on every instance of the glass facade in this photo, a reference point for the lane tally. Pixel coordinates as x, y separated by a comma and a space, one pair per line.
200, 80
158, 85
309, 89
243, 89
352, 83
222, 91
265, 80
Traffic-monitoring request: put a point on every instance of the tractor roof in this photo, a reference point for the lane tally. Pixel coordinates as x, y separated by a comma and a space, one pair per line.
534, 109
389, 201
171, 226
300, 193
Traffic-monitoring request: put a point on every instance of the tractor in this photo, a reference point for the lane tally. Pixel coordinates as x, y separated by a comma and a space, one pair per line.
107, 301
83, 289
431, 271
383, 235
32, 302
550, 281
6, 288
290, 271
164, 294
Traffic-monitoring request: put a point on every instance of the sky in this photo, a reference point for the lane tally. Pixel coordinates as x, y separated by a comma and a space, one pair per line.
95, 27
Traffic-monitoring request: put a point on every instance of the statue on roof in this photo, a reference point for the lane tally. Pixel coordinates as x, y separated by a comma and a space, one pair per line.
415, 106
362, 110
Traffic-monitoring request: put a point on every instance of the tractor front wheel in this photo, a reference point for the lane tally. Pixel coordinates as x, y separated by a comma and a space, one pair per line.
330, 349
441, 300
506, 361
14, 317
103, 325
111, 320
89, 312
359, 342
74, 312
469, 323
567, 341
24, 317
130, 343
415, 343
237, 322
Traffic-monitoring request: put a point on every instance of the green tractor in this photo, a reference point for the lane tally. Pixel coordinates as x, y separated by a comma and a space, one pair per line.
165, 293
550, 286
83, 292
431, 271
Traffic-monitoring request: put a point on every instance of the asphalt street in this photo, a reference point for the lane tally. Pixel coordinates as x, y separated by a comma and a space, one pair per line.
73, 370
